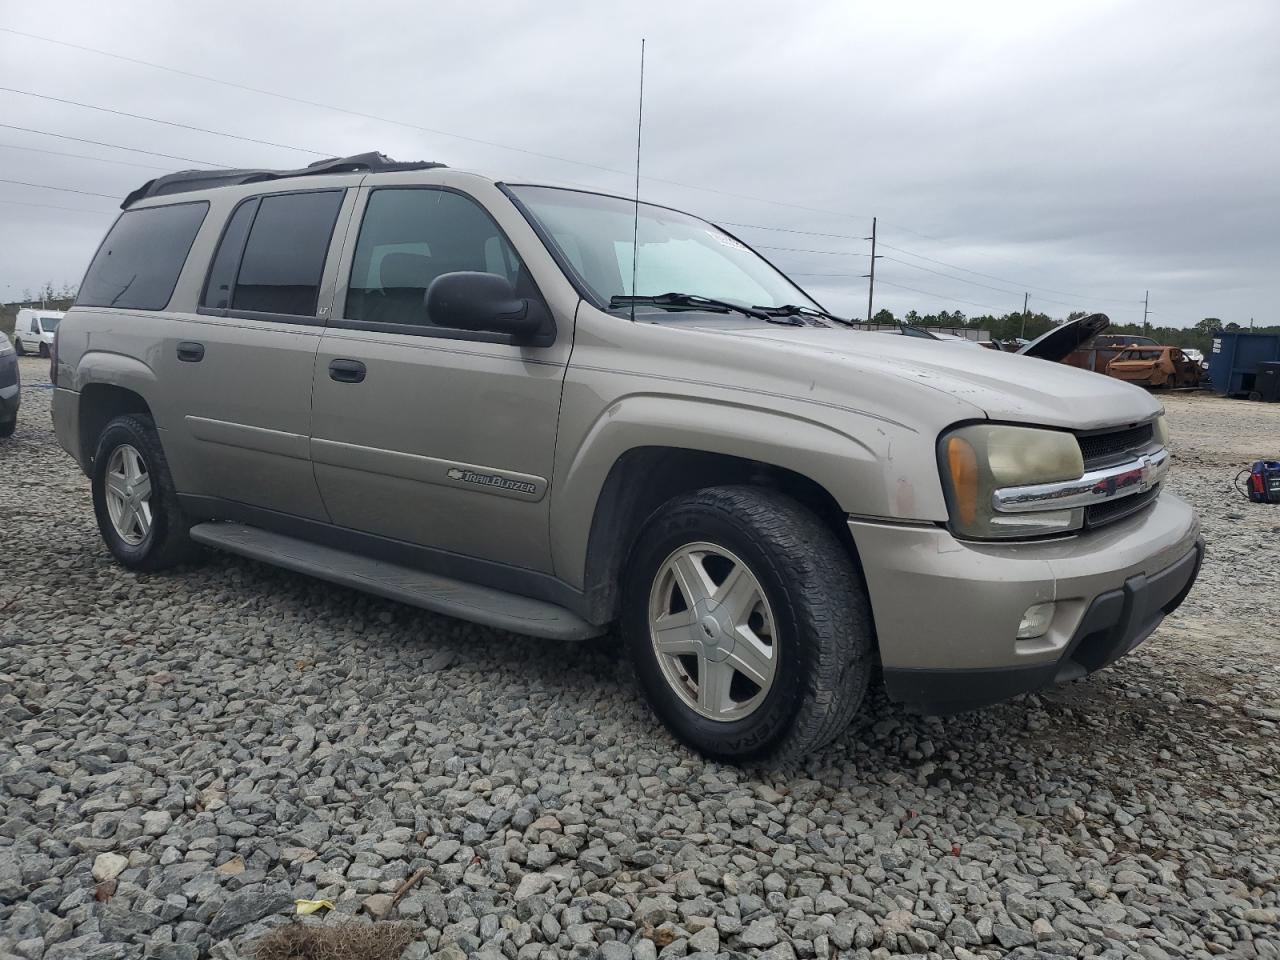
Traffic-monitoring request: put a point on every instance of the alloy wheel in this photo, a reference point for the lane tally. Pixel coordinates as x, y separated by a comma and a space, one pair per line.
713, 631
128, 494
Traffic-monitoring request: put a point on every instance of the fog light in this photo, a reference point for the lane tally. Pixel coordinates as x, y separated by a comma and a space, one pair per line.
1035, 622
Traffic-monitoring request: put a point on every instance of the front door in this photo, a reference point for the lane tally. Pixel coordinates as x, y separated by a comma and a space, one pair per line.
440, 437
242, 363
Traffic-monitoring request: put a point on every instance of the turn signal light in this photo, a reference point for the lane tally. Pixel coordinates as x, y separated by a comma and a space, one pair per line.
963, 463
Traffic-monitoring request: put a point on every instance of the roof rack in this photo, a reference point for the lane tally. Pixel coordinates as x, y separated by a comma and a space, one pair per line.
186, 181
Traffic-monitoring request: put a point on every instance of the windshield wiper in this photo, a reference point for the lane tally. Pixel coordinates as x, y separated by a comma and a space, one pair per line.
687, 301
796, 310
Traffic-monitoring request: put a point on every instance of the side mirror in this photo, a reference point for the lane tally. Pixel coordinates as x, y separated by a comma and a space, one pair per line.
468, 300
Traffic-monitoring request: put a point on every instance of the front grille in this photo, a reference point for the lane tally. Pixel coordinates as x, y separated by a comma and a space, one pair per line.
1104, 449
1101, 514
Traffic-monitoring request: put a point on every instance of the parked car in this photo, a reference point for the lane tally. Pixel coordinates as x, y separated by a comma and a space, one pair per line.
443, 389
34, 330
10, 387
1156, 367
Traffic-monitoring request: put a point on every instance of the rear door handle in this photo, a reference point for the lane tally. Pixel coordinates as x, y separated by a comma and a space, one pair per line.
346, 371
190, 352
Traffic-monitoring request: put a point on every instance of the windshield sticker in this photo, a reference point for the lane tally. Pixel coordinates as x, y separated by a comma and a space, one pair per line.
725, 240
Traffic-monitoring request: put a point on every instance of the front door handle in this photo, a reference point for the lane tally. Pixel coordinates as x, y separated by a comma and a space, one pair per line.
346, 371
190, 352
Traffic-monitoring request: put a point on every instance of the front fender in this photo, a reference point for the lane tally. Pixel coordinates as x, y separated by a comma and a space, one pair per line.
866, 474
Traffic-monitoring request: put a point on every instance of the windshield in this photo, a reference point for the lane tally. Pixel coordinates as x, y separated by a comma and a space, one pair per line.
678, 253
49, 324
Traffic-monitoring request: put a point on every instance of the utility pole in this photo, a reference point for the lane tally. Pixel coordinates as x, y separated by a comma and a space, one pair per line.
871, 288
1025, 298
1146, 294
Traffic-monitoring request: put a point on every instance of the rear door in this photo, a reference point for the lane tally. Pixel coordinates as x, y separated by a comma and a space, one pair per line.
440, 437
241, 365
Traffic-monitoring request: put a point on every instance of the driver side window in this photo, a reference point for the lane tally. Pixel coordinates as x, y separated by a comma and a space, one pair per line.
408, 237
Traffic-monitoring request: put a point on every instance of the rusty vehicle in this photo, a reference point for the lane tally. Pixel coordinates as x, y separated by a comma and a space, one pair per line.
1156, 367
1097, 353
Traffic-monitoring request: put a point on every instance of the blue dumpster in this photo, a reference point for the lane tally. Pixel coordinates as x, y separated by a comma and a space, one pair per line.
1234, 359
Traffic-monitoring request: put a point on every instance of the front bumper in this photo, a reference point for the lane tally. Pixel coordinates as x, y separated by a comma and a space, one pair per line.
10, 400
10, 387
947, 611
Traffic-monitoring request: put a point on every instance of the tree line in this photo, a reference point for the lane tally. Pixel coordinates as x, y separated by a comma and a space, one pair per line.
1032, 325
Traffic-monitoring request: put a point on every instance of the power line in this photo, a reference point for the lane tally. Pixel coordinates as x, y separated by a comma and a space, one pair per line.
50, 206
81, 156
828, 253
920, 256
167, 123
45, 186
937, 296
807, 233
929, 293
1019, 283
950, 276
409, 126
113, 146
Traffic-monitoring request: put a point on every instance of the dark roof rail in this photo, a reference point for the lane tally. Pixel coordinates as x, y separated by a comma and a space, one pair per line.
186, 181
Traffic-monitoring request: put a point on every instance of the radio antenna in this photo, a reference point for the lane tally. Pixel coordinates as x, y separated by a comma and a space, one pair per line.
635, 230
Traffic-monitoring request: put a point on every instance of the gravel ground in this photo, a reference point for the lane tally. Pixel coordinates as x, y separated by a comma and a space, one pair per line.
212, 744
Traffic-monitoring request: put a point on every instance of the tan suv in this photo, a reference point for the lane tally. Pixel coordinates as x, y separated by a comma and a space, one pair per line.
438, 388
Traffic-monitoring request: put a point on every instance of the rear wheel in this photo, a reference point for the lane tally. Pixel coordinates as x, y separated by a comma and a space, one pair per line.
17, 345
7, 427
134, 498
748, 624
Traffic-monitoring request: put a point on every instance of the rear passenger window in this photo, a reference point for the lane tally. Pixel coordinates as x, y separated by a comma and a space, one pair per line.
410, 237
138, 264
222, 274
283, 257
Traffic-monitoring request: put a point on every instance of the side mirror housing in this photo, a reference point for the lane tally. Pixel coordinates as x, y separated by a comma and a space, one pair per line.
468, 300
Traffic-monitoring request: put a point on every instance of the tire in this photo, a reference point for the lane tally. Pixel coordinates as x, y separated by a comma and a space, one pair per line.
164, 542
808, 601
44, 350
7, 427
18, 347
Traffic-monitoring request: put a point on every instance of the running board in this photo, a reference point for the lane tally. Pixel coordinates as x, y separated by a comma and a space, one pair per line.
454, 598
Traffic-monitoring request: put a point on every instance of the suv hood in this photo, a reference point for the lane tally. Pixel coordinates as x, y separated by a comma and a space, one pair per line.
1003, 386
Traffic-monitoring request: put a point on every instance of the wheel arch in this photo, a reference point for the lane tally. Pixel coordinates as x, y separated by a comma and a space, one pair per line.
100, 403
642, 479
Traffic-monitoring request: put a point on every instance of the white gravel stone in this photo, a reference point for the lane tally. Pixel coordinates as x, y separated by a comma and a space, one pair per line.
108, 866
335, 744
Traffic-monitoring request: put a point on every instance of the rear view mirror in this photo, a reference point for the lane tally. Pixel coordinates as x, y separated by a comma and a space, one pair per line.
469, 300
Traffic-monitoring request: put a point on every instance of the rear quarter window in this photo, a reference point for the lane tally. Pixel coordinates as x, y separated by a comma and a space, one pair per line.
138, 264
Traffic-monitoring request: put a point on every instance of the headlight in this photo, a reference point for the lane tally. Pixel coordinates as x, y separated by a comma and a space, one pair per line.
1161, 431
978, 460
5, 347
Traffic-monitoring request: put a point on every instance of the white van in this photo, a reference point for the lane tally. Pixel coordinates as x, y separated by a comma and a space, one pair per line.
33, 333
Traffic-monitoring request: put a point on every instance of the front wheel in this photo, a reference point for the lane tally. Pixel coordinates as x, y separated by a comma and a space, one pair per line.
7, 427
134, 497
748, 624
44, 350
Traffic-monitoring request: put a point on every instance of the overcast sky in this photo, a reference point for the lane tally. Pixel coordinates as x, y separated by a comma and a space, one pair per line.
1081, 151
